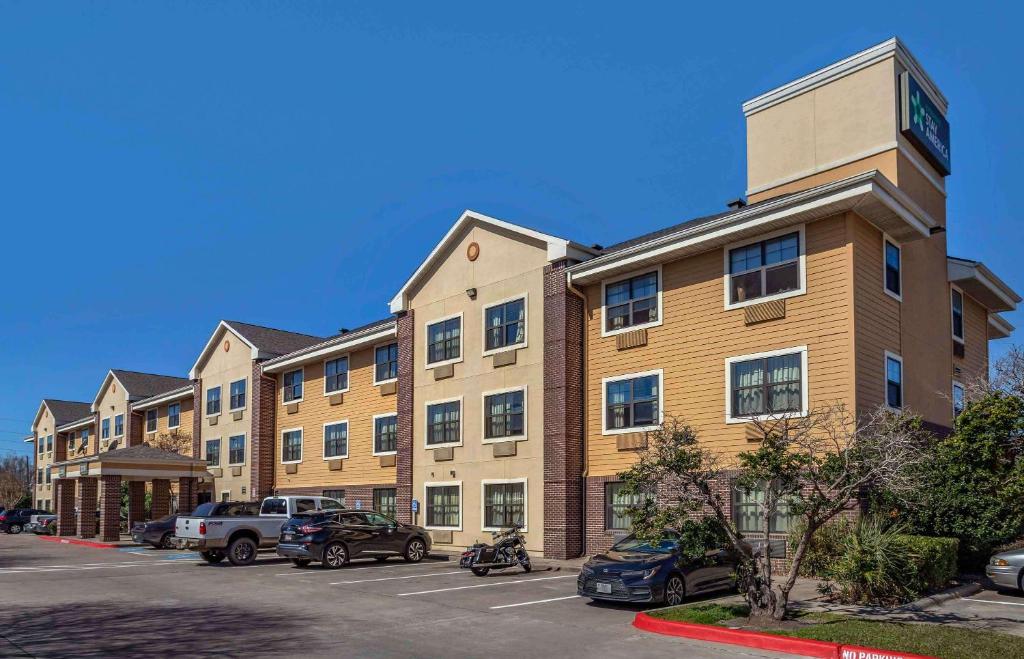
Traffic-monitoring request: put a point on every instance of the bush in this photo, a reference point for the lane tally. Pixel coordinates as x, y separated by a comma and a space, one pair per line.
824, 546
933, 561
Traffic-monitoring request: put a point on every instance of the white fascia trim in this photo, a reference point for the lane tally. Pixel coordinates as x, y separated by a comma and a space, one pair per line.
483, 416
885, 379
323, 440
629, 275
557, 248
426, 421
211, 342
302, 445
373, 433
801, 230
327, 351
426, 341
177, 394
890, 48
75, 425
660, 372
430, 484
1000, 324
525, 297
503, 481
886, 238
729, 361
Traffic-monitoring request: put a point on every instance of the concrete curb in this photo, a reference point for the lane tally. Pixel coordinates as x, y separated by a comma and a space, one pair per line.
937, 599
775, 642
77, 541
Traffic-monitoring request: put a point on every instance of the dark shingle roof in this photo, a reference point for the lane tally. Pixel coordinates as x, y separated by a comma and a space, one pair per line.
274, 341
66, 411
144, 385
368, 328
145, 452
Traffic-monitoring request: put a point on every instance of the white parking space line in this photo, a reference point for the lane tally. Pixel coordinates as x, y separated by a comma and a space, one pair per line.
109, 566
971, 599
408, 576
485, 585
311, 573
552, 599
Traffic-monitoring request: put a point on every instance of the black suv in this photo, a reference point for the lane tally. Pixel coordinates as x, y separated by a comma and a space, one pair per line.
14, 521
334, 537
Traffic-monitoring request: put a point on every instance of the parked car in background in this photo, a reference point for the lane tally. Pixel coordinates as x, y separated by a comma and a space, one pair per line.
14, 521
159, 532
237, 530
333, 538
47, 525
1006, 569
637, 571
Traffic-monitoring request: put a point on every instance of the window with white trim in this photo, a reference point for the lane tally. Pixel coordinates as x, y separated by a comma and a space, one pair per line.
958, 399
118, 425
505, 325
631, 302
336, 440
213, 452
385, 434
632, 402
444, 423
385, 363
213, 401
893, 381
746, 511
291, 445
151, 420
236, 391
174, 415
292, 385
765, 268
444, 340
505, 414
617, 504
236, 450
442, 506
105, 428
336, 375
766, 385
956, 302
49, 443
504, 505
893, 268
385, 500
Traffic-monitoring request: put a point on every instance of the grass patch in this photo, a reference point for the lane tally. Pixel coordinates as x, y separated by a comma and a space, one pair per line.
945, 641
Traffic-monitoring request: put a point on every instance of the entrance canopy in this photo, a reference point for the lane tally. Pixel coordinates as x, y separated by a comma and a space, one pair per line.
135, 463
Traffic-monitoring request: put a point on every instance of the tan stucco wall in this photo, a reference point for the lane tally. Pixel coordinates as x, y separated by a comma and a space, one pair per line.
43, 428
222, 368
507, 267
113, 402
359, 404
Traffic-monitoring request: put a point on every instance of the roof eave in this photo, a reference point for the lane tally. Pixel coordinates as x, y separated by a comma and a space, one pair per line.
103, 387
286, 361
193, 373
74, 425
982, 284
999, 327
153, 401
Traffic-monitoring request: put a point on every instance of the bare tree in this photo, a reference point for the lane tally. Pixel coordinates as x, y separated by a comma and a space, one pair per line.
16, 479
176, 441
814, 467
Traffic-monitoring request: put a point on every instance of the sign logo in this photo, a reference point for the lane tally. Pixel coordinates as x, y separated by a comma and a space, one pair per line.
923, 124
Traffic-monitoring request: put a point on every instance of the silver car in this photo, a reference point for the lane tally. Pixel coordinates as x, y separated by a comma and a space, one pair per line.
1005, 569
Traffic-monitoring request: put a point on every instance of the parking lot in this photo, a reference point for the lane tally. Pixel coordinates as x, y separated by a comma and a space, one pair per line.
74, 601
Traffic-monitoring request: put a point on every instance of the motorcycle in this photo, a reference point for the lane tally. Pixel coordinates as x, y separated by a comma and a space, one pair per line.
508, 550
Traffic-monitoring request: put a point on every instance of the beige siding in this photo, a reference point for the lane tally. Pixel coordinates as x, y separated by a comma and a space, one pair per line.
183, 430
44, 428
698, 334
974, 365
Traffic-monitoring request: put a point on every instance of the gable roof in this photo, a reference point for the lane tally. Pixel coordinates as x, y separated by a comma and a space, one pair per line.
982, 284
557, 248
63, 411
361, 336
263, 342
138, 385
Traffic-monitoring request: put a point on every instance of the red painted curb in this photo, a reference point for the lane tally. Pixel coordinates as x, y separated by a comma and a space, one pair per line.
76, 541
801, 646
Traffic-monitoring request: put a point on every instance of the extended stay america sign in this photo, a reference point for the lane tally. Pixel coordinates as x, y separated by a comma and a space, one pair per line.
923, 124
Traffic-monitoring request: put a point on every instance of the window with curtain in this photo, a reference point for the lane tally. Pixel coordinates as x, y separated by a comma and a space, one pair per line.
616, 505
631, 302
444, 340
746, 511
292, 385
151, 420
767, 385
213, 452
336, 375
105, 428
764, 268
504, 504
174, 415
505, 324
385, 360
237, 392
335, 440
236, 450
338, 495
442, 506
443, 423
291, 446
213, 400
118, 425
385, 434
504, 415
385, 500
632, 402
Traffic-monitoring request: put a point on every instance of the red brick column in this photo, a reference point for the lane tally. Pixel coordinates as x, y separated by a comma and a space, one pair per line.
65, 506
197, 417
404, 429
188, 494
87, 503
136, 502
563, 416
161, 506
110, 513
262, 439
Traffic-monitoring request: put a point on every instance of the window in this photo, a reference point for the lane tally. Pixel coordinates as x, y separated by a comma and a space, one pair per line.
893, 381
443, 425
746, 512
338, 495
385, 434
767, 384
893, 268
632, 402
173, 415
105, 428
236, 450
237, 392
39, 477
957, 304
293, 386
385, 501
49, 443
444, 340
616, 506
336, 375
505, 414
225, 496
118, 425
213, 401
505, 325
632, 302
442, 505
151, 420
41, 445
49, 476
336, 440
765, 269
958, 399
213, 452
84, 437
385, 360
291, 445
504, 504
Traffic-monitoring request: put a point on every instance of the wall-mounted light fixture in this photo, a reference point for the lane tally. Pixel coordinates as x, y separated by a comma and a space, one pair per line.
471, 292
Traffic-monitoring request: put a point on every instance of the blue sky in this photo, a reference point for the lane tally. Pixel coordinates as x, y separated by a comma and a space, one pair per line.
166, 164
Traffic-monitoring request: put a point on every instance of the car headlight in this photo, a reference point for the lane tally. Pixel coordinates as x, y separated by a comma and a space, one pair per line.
640, 574
1000, 562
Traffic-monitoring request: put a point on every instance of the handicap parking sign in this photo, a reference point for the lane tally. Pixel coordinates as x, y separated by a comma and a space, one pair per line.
415, 506
359, 504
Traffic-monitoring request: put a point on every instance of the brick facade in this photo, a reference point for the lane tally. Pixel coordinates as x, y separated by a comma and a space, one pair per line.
136, 502
86, 504
110, 512
197, 418
403, 460
136, 422
563, 416
65, 506
161, 505
262, 439
188, 493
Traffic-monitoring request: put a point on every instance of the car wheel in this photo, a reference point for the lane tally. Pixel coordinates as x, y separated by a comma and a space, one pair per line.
165, 541
242, 552
526, 565
335, 556
415, 551
212, 557
301, 562
675, 590
480, 571
15, 529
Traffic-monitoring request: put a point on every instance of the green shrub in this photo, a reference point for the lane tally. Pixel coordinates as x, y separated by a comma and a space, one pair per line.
933, 561
824, 546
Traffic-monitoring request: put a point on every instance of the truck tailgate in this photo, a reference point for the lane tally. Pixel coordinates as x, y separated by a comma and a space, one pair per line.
188, 528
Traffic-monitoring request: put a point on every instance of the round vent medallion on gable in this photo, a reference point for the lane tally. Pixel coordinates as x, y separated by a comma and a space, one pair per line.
473, 252
227, 345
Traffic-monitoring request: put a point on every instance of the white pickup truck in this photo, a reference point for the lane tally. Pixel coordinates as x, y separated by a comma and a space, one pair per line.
237, 529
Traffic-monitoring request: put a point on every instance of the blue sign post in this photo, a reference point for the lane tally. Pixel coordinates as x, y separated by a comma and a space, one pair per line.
415, 506
923, 124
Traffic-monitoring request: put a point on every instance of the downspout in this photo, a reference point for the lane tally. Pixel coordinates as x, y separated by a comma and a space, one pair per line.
585, 463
